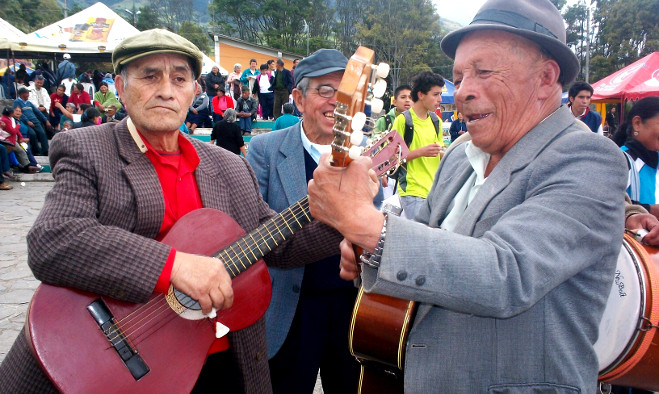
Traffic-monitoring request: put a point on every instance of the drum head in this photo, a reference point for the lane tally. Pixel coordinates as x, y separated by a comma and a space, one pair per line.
623, 308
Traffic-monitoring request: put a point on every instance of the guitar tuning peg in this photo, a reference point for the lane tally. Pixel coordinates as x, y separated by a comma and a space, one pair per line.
382, 70
376, 106
379, 88
358, 121
354, 152
356, 137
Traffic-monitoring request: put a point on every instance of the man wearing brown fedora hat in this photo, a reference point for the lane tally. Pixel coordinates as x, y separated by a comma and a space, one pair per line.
120, 187
513, 255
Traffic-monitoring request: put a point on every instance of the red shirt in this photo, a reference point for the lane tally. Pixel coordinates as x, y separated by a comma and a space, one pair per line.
82, 98
181, 194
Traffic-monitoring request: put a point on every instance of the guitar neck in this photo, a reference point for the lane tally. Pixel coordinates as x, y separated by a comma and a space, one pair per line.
249, 249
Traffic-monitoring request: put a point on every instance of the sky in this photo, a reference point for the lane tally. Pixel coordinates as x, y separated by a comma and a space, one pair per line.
463, 11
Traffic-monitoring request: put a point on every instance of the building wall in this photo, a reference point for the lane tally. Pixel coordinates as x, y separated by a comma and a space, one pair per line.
232, 54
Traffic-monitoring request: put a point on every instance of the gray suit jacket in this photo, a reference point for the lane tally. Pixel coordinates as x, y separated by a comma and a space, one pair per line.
278, 162
510, 302
107, 198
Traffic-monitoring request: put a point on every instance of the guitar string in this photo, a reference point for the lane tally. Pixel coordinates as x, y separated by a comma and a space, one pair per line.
301, 207
294, 211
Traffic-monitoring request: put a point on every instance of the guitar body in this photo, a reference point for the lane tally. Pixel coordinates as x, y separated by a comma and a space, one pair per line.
77, 356
378, 335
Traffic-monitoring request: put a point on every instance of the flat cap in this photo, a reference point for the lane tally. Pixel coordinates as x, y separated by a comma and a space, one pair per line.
151, 42
321, 62
535, 20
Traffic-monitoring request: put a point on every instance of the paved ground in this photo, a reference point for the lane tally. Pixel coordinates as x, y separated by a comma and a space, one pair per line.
18, 210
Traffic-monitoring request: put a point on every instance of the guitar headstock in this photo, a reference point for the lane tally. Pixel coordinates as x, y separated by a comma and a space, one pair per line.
362, 83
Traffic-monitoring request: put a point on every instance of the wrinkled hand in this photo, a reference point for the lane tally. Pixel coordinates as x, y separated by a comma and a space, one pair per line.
349, 267
645, 221
343, 198
205, 279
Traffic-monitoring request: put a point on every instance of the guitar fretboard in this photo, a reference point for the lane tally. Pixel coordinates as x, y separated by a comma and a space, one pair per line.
249, 249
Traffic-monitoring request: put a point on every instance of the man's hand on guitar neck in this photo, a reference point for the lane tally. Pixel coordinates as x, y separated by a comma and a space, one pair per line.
203, 278
342, 197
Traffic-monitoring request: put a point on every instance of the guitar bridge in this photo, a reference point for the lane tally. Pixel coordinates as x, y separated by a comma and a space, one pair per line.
113, 333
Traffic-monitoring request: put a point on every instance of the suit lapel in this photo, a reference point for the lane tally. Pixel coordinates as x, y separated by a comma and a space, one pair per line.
142, 176
292, 175
518, 157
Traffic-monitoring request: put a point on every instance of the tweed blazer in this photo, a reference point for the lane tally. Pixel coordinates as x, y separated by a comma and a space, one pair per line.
278, 162
511, 300
107, 198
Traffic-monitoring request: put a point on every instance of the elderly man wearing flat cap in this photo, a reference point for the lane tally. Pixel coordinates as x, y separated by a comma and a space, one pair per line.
513, 255
309, 315
119, 188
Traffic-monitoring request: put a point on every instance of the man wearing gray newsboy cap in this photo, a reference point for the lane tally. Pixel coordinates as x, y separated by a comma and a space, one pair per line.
119, 189
512, 257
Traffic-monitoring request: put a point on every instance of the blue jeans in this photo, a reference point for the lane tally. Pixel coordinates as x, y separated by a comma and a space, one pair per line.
4, 159
246, 124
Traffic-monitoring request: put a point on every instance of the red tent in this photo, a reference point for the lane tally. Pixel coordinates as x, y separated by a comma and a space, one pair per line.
639, 79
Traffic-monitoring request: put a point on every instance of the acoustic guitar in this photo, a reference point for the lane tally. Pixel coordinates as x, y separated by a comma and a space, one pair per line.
378, 330
90, 343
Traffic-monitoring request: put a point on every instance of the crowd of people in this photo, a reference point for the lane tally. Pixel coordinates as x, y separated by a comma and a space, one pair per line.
508, 243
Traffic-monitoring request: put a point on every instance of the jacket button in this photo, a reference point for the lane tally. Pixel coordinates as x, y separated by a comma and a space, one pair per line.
401, 275
296, 289
420, 280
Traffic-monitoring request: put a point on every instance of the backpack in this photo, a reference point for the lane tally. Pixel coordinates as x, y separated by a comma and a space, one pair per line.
401, 173
409, 126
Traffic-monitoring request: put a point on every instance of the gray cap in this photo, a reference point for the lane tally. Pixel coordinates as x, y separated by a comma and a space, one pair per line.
151, 42
321, 62
535, 20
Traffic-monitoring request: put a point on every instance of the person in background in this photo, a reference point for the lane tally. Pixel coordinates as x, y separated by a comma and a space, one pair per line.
287, 119
611, 121
512, 256
221, 102
54, 113
458, 127
579, 96
402, 102
32, 117
642, 152
233, 81
227, 134
214, 81
105, 97
245, 108
79, 95
262, 89
198, 113
282, 86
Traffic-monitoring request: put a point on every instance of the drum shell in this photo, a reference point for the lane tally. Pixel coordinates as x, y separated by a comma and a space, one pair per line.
638, 366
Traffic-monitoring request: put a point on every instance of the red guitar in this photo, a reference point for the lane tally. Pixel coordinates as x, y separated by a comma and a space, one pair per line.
90, 343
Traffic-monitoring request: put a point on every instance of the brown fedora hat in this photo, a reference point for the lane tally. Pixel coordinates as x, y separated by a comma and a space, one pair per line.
535, 20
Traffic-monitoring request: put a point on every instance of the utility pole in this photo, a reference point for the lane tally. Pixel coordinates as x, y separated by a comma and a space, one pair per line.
306, 30
66, 8
588, 45
134, 14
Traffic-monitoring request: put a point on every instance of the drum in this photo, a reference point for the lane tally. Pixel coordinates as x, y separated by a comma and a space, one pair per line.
628, 343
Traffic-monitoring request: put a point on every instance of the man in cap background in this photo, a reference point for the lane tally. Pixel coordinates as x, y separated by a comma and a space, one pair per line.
121, 186
513, 256
309, 315
65, 69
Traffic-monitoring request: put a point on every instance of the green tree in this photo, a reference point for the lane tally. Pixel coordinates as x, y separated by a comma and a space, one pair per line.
196, 35
628, 30
172, 13
21, 13
147, 19
405, 35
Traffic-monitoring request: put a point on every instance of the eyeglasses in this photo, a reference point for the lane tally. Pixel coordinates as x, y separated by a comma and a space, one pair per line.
325, 91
